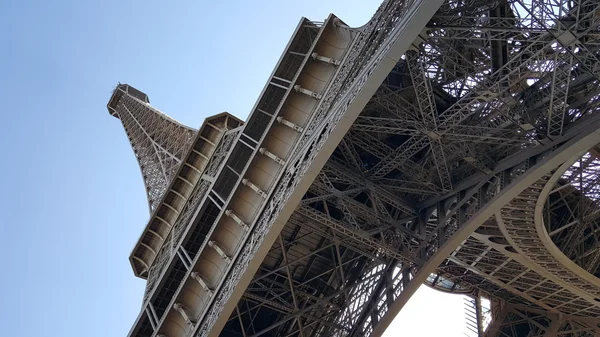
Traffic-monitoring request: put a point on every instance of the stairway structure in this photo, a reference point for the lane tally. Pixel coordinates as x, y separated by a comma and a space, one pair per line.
447, 143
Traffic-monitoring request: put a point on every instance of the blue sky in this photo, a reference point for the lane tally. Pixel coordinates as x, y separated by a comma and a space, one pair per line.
73, 201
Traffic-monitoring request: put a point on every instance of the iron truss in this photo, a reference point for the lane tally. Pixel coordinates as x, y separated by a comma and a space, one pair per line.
158, 141
490, 90
513, 320
471, 169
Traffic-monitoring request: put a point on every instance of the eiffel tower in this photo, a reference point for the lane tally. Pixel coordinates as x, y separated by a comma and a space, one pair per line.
158, 141
446, 143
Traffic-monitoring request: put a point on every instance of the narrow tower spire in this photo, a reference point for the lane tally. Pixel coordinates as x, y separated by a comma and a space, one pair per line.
158, 141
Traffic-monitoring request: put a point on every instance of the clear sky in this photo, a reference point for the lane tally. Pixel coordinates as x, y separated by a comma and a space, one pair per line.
73, 201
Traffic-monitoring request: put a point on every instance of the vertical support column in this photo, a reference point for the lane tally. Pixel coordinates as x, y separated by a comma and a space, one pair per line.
504, 179
422, 219
405, 277
462, 211
389, 286
441, 227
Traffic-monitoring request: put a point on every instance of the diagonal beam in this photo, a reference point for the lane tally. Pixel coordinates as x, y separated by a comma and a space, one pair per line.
302, 311
426, 102
464, 151
374, 298
488, 89
291, 284
334, 168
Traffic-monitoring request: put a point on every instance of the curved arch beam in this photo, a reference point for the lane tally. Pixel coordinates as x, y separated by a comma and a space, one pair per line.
587, 138
544, 258
545, 237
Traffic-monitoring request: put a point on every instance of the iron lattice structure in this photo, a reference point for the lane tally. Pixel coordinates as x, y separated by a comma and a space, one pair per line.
447, 143
158, 141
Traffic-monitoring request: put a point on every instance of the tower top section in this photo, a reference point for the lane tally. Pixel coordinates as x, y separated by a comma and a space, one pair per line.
158, 141
121, 89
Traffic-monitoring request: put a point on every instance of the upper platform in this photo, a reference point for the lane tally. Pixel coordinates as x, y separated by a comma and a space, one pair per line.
118, 93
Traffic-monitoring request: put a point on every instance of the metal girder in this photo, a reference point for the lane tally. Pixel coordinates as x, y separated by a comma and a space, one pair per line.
487, 89
572, 214
428, 111
405, 127
370, 309
291, 284
394, 103
411, 170
278, 288
333, 168
458, 112
356, 237
368, 301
